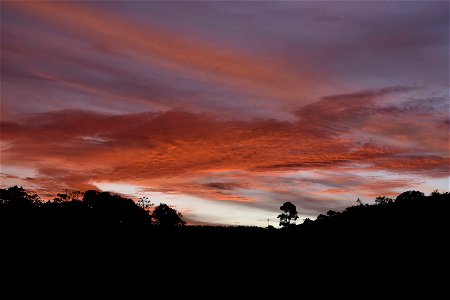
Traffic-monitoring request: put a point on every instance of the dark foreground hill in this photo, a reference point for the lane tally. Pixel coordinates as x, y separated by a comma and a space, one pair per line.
99, 234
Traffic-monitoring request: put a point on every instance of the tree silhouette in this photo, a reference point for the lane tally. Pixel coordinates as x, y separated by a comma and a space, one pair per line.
289, 213
166, 217
383, 200
114, 209
409, 196
16, 197
145, 203
73, 196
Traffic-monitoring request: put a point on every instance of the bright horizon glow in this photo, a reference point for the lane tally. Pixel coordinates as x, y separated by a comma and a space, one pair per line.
210, 212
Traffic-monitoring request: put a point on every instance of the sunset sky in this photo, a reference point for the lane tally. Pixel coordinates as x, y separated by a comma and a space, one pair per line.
225, 110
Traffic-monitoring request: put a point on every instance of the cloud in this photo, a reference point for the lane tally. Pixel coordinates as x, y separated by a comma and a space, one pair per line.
230, 60
368, 95
341, 112
220, 185
214, 158
187, 60
390, 116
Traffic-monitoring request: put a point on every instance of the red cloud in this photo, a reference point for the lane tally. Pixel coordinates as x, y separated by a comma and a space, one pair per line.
171, 150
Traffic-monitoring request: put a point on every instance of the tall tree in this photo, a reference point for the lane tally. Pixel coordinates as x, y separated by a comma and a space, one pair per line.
289, 214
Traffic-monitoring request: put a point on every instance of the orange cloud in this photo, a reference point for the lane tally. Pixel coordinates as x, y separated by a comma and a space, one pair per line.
173, 151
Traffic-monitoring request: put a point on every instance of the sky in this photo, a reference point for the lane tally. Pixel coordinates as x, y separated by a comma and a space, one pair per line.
225, 110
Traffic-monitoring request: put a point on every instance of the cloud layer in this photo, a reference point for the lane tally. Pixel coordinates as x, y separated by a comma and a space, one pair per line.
239, 161
226, 110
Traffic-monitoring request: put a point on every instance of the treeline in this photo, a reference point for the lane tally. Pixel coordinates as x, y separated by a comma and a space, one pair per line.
410, 212
82, 209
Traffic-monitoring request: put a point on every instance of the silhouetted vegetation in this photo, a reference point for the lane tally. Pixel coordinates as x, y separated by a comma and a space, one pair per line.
411, 216
79, 231
410, 212
76, 209
167, 217
289, 214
